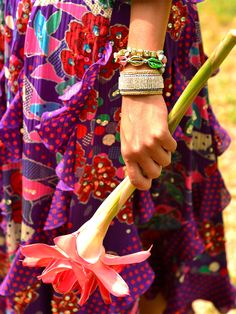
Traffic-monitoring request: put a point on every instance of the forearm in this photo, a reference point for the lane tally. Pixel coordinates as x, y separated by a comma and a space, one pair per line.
148, 23
146, 148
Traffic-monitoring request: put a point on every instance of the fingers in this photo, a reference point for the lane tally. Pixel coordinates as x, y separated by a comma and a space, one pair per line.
161, 156
167, 141
136, 176
149, 167
142, 166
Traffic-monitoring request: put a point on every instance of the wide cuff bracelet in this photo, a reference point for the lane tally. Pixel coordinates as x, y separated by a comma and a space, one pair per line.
140, 83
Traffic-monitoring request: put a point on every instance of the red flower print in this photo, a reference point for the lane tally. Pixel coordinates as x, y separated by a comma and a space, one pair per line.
117, 117
75, 37
168, 89
90, 105
168, 210
210, 169
213, 236
4, 264
96, 24
15, 66
125, 215
23, 298
8, 34
85, 41
65, 303
74, 64
16, 204
16, 182
80, 160
23, 13
119, 38
17, 212
177, 20
98, 179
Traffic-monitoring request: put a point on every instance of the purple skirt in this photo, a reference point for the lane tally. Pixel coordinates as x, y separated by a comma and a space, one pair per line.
60, 157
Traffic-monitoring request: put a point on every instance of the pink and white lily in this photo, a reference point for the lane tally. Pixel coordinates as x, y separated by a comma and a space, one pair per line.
78, 260
66, 270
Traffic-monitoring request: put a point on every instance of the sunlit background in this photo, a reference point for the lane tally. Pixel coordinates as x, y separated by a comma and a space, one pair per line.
217, 17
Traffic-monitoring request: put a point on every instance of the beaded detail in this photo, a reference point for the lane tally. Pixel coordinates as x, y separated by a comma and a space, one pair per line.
138, 57
140, 83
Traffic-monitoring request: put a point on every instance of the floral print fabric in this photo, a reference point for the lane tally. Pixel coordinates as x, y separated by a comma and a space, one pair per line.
60, 157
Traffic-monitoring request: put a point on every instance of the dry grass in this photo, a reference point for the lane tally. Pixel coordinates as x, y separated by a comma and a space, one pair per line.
217, 17
223, 98
222, 87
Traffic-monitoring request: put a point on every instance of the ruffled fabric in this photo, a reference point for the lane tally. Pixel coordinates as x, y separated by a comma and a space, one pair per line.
65, 122
3, 257
11, 130
72, 133
11, 134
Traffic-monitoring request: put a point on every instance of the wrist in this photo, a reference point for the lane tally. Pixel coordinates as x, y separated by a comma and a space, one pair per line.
132, 68
146, 98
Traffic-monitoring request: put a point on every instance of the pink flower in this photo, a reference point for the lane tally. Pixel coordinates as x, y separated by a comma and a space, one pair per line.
78, 260
67, 270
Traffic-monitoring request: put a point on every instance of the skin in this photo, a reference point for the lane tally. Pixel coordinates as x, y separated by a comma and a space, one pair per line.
146, 143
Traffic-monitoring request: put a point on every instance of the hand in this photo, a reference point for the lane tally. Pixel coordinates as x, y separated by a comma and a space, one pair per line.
146, 143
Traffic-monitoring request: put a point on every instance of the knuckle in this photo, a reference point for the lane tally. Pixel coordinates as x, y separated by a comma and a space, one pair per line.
150, 143
131, 151
160, 134
136, 150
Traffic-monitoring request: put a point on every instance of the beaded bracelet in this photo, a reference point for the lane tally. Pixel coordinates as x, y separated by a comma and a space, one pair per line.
138, 57
136, 61
143, 82
142, 53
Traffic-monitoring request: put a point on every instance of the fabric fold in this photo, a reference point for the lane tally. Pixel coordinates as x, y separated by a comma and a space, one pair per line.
11, 131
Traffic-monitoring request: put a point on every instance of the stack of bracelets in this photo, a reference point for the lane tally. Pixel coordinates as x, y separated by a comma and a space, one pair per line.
143, 82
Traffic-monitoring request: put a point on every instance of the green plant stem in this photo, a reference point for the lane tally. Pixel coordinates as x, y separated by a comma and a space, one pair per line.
112, 204
200, 79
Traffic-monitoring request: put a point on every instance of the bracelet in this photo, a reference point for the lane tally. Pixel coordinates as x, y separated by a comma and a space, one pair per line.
138, 57
141, 92
145, 82
141, 53
136, 61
